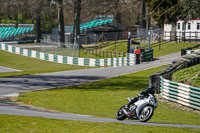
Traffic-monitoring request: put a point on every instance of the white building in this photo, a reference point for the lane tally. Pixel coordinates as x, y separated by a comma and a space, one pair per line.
184, 30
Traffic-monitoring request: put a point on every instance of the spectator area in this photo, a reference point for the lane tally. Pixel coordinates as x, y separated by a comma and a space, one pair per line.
93, 24
7, 32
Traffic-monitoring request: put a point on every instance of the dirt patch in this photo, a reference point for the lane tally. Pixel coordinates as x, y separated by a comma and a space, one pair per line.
13, 101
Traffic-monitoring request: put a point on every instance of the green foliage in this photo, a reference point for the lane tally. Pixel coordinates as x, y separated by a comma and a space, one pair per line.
165, 11
189, 76
169, 11
103, 98
170, 48
190, 9
22, 124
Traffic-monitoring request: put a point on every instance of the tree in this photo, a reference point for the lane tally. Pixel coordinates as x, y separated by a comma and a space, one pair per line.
190, 9
165, 11
143, 14
61, 24
169, 11
77, 15
36, 11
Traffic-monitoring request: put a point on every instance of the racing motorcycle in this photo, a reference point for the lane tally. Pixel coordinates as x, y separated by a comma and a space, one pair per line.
141, 109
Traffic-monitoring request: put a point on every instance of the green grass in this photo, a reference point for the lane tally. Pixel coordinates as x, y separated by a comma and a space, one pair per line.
22, 124
190, 76
167, 48
83, 54
119, 47
28, 44
103, 98
170, 48
30, 65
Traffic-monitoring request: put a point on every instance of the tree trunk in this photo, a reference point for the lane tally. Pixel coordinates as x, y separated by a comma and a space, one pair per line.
173, 32
16, 19
118, 13
61, 22
38, 29
77, 14
149, 18
118, 17
143, 14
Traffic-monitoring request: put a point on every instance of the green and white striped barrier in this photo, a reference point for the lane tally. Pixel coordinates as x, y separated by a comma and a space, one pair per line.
192, 51
129, 60
180, 93
147, 55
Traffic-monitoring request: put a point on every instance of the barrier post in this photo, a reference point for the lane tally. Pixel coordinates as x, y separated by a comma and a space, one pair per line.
129, 42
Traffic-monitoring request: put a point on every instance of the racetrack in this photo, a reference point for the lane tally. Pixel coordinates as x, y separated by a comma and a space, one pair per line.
30, 111
10, 85
6, 69
15, 85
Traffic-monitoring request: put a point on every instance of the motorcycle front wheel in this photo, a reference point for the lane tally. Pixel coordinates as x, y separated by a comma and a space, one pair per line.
120, 114
146, 113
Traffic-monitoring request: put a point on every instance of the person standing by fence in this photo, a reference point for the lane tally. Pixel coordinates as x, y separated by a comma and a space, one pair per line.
137, 53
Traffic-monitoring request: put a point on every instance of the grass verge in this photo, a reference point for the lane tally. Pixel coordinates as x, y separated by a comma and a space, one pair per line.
30, 65
190, 76
103, 98
22, 124
168, 48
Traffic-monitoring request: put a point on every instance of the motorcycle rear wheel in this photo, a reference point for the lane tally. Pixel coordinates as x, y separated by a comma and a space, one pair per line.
146, 113
120, 114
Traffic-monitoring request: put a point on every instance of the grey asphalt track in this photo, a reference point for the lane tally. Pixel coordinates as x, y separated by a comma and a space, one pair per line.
15, 85
29, 111
20, 84
6, 69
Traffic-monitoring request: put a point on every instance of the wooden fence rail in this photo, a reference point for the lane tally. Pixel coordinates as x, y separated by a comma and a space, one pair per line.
106, 54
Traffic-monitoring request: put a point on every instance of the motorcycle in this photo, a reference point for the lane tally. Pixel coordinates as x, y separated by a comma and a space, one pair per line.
142, 109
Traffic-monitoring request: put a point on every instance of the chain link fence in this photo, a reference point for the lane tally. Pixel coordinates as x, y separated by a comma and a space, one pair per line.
51, 44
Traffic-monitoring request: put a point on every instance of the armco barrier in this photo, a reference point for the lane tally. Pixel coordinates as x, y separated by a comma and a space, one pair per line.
189, 50
129, 60
181, 63
192, 51
147, 55
180, 93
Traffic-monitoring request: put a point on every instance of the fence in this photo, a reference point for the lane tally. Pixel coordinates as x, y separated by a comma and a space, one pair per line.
147, 55
190, 50
181, 63
180, 93
106, 54
129, 60
102, 37
52, 47
179, 36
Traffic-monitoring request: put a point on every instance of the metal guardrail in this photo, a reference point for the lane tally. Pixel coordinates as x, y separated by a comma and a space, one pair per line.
192, 51
129, 60
180, 93
147, 55
189, 50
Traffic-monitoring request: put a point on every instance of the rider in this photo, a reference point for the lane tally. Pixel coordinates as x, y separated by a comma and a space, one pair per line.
149, 90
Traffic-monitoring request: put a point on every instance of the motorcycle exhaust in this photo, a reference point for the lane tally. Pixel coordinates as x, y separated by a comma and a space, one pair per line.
125, 112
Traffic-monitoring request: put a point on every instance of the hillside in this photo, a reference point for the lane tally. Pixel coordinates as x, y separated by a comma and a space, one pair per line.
190, 76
